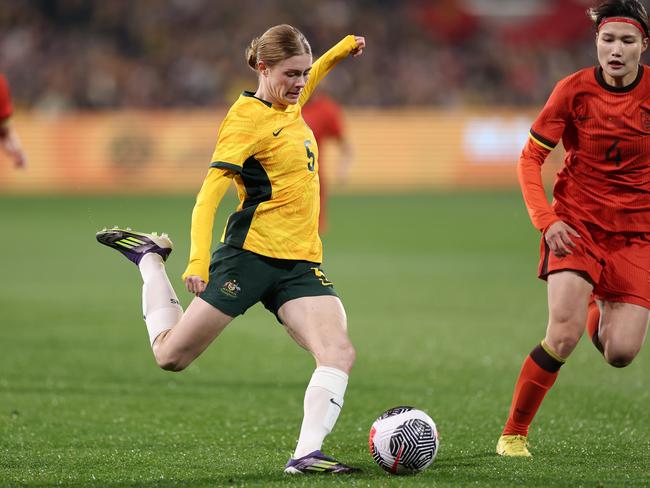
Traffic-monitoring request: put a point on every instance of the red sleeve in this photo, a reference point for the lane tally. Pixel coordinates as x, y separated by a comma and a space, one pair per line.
549, 126
529, 172
335, 121
6, 108
545, 133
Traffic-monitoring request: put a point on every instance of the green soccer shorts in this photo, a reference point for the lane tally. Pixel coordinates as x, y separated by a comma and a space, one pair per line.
240, 278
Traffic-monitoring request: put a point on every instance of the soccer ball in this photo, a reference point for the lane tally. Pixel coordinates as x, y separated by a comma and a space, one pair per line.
403, 440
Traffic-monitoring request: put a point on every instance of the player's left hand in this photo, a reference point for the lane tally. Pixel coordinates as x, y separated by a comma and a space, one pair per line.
361, 44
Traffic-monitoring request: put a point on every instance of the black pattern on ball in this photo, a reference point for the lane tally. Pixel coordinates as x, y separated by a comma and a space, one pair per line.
395, 411
417, 441
377, 457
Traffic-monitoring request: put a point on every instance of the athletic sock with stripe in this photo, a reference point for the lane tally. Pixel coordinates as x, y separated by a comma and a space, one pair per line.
322, 405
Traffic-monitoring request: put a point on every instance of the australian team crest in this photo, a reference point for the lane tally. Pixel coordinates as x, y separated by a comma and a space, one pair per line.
231, 288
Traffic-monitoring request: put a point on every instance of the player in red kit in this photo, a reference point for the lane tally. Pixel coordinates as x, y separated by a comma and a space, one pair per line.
325, 119
8, 137
596, 234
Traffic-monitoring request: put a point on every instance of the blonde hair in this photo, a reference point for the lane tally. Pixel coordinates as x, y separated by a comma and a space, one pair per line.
275, 45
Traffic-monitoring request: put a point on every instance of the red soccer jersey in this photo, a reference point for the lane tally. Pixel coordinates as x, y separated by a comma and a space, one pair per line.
606, 133
6, 108
324, 118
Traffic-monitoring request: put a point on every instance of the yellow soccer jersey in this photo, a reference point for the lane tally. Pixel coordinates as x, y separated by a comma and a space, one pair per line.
272, 156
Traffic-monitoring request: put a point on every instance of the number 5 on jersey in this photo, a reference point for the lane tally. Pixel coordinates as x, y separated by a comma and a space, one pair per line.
311, 164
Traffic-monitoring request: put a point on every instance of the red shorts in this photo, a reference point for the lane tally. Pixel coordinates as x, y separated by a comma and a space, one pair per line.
617, 263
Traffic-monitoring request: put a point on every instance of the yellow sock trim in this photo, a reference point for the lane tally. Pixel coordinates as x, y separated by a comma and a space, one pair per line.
551, 353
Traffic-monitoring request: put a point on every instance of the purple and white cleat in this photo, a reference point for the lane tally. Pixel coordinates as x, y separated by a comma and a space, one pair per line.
317, 462
134, 245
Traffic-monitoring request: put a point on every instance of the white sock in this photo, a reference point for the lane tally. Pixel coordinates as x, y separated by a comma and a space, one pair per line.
323, 403
160, 306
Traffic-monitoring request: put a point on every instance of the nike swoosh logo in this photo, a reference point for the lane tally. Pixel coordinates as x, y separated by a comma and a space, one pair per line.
332, 401
277, 132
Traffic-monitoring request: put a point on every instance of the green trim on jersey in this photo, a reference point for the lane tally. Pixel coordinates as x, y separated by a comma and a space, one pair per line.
252, 95
258, 190
224, 165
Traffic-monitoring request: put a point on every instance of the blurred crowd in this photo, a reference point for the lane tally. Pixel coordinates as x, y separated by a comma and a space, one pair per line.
99, 54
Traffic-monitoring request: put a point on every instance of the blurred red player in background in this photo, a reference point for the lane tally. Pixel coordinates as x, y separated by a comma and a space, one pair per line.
8, 137
325, 118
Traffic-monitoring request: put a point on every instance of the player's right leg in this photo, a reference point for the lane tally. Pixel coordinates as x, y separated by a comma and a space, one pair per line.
593, 324
568, 298
177, 338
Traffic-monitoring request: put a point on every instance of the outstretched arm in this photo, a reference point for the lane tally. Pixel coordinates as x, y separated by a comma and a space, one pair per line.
214, 187
349, 45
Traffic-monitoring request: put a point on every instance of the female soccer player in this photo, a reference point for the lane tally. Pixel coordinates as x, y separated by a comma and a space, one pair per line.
596, 235
270, 250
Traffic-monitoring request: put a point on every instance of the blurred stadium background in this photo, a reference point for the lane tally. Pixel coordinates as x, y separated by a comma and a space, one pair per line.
118, 105
113, 93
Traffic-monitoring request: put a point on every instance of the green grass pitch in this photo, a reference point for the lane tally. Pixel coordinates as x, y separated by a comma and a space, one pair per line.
443, 305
